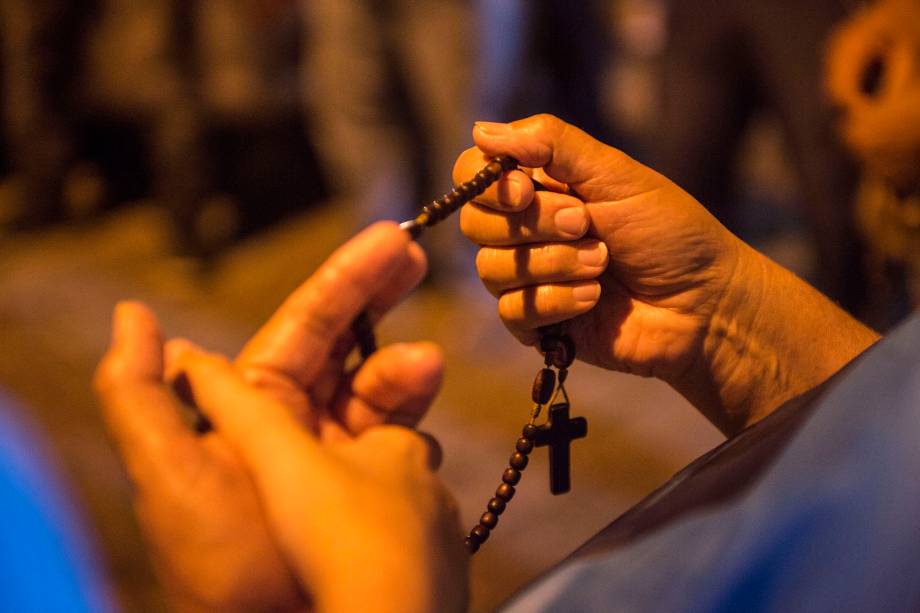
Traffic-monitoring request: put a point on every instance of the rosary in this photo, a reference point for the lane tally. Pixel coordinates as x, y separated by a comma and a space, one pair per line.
558, 430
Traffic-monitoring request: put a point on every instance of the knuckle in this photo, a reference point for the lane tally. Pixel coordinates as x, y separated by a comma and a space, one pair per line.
546, 122
546, 259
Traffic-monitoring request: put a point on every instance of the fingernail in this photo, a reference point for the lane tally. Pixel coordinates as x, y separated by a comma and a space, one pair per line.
571, 220
587, 293
593, 256
511, 195
491, 128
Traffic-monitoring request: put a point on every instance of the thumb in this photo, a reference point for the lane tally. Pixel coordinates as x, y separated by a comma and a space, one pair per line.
595, 171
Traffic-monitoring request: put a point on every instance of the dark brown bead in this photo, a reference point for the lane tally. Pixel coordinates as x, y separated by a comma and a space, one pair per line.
530, 431
549, 342
495, 169
565, 354
524, 445
543, 386
505, 491
480, 532
497, 505
507, 162
511, 476
489, 520
471, 545
485, 176
518, 460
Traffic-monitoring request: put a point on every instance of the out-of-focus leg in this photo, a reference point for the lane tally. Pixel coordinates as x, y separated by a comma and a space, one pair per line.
347, 85
705, 106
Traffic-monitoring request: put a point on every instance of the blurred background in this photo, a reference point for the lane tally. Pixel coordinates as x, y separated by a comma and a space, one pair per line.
205, 156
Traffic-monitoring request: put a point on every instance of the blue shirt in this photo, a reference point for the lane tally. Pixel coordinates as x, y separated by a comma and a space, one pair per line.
46, 561
815, 508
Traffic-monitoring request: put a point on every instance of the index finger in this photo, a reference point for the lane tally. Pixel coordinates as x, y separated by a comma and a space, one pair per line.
296, 341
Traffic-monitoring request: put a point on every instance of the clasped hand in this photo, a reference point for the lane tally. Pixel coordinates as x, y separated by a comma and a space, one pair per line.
312, 491
649, 281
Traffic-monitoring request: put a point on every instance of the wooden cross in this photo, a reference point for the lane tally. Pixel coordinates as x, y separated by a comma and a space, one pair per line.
558, 432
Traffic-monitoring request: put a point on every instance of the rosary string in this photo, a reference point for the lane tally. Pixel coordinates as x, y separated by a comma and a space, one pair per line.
557, 348
431, 214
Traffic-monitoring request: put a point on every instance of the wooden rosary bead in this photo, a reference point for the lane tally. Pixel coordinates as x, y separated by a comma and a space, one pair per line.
480, 532
489, 520
495, 168
497, 505
543, 386
507, 162
530, 431
471, 545
505, 491
567, 357
450, 200
511, 476
524, 445
518, 460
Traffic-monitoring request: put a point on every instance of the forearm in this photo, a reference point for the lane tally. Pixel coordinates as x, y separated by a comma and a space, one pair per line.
772, 338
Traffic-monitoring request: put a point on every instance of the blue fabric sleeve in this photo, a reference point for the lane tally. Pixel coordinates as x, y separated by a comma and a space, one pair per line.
46, 561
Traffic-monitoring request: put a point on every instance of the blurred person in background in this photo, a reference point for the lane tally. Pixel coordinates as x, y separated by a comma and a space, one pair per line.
723, 63
387, 88
215, 85
194, 103
873, 74
543, 56
41, 45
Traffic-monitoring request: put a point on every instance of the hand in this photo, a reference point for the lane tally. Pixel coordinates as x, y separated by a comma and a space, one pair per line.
196, 499
651, 282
